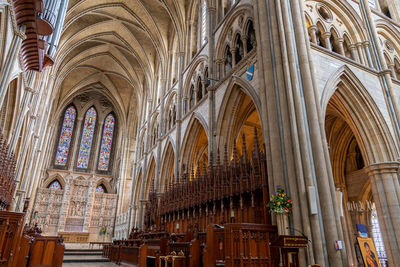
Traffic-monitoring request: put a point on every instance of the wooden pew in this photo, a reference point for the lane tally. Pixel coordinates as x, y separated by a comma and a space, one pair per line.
241, 244
191, 251
11, 227
46, 251
152, 248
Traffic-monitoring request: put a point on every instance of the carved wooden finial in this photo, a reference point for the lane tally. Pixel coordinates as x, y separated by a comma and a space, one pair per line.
244, 150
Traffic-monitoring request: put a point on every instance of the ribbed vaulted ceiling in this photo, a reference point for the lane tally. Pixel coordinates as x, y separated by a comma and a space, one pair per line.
118, 44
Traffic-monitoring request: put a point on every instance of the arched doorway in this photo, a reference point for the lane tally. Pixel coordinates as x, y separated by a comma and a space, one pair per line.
358, 139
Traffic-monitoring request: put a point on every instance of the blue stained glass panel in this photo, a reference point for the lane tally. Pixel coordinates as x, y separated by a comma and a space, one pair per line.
65, 137
55, 185
106, 142
87, 138
100, 189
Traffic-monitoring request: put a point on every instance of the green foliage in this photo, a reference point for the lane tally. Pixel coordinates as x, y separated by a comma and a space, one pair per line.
280, 202
103, 230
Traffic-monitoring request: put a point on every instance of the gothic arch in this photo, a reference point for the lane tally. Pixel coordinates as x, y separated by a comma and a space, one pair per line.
151, 176
199, 64
228, 33
53, 178
106, 185
225, 116
361, 114
167, 165
344, 11
195, 138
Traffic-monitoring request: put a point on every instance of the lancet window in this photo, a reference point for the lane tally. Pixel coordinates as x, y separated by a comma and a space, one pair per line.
87, 138
106, 143
65, 136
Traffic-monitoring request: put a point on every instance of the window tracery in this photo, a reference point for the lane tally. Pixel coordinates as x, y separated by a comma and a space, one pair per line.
239, 51
199, 89
87, 138
192, 97
65, 136
251, 36
106, 143
228, 59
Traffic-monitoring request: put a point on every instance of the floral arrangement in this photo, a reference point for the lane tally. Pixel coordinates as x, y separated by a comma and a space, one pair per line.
280, 202
103, 230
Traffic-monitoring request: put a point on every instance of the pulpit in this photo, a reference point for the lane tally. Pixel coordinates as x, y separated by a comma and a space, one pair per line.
288, 247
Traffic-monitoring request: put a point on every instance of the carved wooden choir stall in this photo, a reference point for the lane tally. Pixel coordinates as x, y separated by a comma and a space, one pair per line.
21, 246
215, 216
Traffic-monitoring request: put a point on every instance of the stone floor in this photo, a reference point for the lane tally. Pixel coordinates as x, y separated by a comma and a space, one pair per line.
95, 264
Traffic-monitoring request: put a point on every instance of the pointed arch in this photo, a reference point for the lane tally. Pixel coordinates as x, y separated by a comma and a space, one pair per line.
194, 141
167, 166
360, 112
238, 116
151, 176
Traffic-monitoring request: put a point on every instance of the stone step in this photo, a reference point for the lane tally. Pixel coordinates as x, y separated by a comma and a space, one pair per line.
84, 258
80, 252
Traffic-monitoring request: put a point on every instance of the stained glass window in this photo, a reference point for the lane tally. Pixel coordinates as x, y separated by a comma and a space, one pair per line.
377, 237
55, 185
106, 142
203, 22
100, 189
87, 138
65, 137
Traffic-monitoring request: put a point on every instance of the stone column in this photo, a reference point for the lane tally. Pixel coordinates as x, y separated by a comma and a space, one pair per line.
19, 35
212, 146
384, 180
161, 131
146, 145
368, 54
76, 142
315, 135
28, 92
312, 30
90, 199
96, 146
339, 44
354, 54
179, 114
327, 41
233, 52
361, 53
393, 71
65, 204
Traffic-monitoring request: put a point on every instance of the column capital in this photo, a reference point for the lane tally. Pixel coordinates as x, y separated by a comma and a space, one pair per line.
339, 40
312, 28
366, 43
386, 71
180, 54
29, 89
383, 167
326, 35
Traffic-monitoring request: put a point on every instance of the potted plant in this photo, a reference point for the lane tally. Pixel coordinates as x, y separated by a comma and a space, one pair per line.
281, 205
